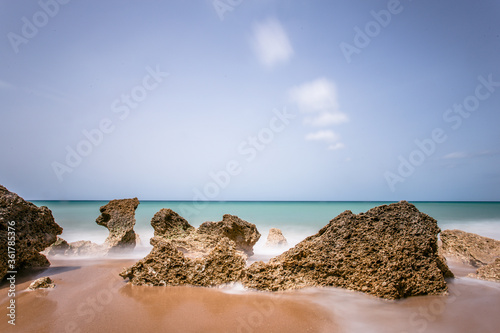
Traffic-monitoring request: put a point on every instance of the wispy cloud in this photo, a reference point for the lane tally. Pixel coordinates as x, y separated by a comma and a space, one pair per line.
455, 155
324, 135
325, 119
318, 98
461, 154
270, 43
336, 146
6, 85
318, 101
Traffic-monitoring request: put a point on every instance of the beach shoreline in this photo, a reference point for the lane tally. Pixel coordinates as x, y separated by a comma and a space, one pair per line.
90, 296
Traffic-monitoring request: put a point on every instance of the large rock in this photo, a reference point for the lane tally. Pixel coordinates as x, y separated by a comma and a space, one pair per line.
275, 238
469, 248
167, 266
390, 251
243, 233
213, 254
33, 229
119, 217
167, 223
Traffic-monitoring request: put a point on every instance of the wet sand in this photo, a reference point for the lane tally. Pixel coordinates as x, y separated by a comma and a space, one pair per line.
91, 297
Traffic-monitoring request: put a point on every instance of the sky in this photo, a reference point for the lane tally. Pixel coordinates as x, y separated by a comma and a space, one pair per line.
250, 100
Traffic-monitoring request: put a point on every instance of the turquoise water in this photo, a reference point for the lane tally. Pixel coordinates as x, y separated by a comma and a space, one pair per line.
297, 220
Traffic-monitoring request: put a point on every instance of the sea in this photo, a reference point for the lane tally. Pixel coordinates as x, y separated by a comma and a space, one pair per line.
471, 305
297, 220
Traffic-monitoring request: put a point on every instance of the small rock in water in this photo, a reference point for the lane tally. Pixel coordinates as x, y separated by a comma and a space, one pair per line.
43, 282
275, 238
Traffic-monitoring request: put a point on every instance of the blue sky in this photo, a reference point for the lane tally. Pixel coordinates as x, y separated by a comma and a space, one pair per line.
250, 100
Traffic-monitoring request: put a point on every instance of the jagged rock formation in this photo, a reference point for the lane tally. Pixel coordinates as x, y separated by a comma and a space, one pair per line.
60, 246
275, 238
243, 233
199, 242
390, 251
207, 256
32, 230
119, 217
167, 266
490, 272
167, 223
43, 282
78, 248
469, 248
86, 248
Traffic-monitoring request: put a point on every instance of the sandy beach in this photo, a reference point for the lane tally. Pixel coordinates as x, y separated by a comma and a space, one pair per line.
90, 297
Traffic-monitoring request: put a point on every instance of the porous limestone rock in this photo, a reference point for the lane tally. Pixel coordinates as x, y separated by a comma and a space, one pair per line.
119, 217
60, 247
167, 223
207, 256
86, 248
490, 272
167, 266
31, 228
469, 248
275, 238
390, 251
243, 233
43, 282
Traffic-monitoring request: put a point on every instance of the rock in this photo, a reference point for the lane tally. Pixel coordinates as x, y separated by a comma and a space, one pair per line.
469, 248
390, 252
32, 230
43, 282
275, 238
169, 224
36, 260
119, 217
78, 248
167, 266
86, 248
243, 233
490, 272
60, 247
181, 254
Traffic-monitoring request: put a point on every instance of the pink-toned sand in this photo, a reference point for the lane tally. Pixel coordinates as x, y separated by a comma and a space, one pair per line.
91, 297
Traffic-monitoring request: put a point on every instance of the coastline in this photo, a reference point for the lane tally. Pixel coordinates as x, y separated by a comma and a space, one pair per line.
90, 296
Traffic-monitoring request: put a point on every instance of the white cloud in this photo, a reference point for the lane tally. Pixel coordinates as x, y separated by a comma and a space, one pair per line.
458, 154
318, 97
270, 42
325, 135
326, 119
336, 146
